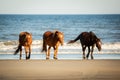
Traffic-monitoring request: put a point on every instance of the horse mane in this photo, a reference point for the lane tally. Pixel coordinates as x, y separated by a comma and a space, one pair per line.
93, 34
93, 37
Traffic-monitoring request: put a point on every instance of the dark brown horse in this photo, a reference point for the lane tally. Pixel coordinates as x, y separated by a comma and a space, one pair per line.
52, 39
88, 39
25, 39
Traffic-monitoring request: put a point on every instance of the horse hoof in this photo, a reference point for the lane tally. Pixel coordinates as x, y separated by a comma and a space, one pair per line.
47, 58
55, 58
84, 57
92, 58
27, 58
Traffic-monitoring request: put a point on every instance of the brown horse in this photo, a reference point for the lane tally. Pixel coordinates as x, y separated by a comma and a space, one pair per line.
52, 39
88, 39
25, 39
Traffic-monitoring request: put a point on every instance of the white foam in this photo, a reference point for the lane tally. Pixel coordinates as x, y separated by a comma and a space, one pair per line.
8, 47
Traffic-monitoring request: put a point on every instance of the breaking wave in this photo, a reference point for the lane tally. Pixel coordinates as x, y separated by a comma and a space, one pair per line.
8, 47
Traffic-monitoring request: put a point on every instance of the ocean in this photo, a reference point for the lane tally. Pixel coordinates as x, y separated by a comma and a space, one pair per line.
105, 26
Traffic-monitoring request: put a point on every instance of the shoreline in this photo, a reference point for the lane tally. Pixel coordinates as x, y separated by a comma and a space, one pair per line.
60, 69
60, 56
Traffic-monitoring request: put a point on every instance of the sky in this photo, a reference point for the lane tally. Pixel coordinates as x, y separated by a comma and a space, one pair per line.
59, 6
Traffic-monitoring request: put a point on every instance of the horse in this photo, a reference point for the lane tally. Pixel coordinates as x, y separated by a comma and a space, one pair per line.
52, 39
25, 39
88, 39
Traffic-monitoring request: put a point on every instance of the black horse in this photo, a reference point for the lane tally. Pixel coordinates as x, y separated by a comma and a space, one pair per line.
88, 39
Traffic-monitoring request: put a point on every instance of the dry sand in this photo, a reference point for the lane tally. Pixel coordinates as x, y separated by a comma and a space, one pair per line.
59, 69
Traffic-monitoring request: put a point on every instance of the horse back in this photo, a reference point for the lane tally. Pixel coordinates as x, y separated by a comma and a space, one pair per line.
47, 34
53, 38
88, 38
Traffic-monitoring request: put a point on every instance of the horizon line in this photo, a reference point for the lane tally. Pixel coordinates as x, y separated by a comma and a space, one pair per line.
58, 14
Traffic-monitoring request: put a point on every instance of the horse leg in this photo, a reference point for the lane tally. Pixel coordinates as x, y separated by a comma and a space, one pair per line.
92, 52
20, 52
29, 52
55, 52
88, 52
48, 53
83, 49
26, 52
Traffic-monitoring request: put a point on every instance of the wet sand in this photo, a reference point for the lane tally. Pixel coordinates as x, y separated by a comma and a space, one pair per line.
60, 70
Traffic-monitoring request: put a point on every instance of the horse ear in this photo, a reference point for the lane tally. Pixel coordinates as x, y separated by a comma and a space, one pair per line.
56, 32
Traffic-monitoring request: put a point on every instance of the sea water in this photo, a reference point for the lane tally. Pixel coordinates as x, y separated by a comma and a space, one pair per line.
106, 27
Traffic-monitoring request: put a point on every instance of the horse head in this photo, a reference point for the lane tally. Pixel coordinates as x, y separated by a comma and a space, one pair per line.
59, 36
98, 44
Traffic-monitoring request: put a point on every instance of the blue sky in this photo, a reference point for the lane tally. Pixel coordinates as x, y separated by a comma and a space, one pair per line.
59, 6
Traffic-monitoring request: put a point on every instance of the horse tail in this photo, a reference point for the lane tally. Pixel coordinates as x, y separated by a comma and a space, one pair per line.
44, 48
18, 49
72, 41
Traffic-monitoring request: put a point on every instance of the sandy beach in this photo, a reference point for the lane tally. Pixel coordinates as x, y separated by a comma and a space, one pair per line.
59, 69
